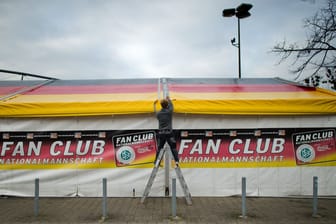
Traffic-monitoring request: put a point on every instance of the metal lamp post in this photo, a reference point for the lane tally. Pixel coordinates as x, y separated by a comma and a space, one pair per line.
241, 12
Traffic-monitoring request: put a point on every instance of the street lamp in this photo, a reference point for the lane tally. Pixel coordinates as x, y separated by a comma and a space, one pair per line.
241, 12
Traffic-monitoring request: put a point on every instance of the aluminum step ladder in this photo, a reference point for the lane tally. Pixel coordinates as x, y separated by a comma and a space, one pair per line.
178, 174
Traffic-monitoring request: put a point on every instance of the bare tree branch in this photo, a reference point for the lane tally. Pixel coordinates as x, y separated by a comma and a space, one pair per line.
319, 51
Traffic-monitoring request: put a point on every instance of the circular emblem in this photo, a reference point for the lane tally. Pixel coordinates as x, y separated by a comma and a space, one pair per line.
305, 153
125, 154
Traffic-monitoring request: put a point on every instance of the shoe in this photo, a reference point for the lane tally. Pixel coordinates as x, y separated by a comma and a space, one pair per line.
176, 164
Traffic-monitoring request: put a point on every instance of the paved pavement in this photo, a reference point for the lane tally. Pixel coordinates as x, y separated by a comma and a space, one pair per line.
158, 210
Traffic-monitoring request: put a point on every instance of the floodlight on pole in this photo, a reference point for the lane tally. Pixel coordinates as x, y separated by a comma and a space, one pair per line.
241, 12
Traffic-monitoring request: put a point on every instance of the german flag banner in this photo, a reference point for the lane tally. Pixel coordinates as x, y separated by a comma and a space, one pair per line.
218, 148
249, 97
69, 98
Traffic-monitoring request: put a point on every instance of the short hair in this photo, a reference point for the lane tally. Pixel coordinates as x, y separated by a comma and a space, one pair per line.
164, 103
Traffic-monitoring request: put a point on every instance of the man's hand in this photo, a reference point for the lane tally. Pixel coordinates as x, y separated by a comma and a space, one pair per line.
154, 105
168, 98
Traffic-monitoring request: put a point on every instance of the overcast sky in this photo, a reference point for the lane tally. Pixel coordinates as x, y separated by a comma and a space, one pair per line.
97, 39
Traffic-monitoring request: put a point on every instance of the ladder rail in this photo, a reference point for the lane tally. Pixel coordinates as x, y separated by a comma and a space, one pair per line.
184, 185
179, 174
152, 177
149, 184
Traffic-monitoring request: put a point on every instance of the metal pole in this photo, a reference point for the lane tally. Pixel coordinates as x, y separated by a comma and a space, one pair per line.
173, 197
104, 198
243, 197
315, 196
37, 194
239, 60
165, 88
167, 154
26, 89
167, 167
26, 74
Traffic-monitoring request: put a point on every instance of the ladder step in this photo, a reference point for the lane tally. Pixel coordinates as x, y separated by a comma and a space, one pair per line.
179, 176
152, 177
149, 184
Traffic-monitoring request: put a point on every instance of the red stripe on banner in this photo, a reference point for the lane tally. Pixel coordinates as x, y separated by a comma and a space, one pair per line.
94, 89
10, 89
199, 88
145, 88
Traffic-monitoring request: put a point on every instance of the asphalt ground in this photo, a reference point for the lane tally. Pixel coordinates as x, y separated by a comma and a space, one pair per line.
159, 210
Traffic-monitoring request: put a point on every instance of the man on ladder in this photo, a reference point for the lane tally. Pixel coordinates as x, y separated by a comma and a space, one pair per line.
165, 132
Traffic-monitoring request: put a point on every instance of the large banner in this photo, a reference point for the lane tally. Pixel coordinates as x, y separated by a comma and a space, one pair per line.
257, 148
219, 148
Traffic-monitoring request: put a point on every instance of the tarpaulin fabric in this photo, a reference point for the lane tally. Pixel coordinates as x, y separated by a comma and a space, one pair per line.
79, 98
62, 98
29, 150
55, 131
274, 182
249, 97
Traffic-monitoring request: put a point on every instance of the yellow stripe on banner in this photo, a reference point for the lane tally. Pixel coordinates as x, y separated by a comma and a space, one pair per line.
77, 105
254, 103
111, 164
74, 109
252, 164
261, 103
239, 164
150, 165
103, 165
252, 95
178, 96
256, 107
84, 97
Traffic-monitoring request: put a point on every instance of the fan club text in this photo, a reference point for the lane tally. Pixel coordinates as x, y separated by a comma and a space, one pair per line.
186, 147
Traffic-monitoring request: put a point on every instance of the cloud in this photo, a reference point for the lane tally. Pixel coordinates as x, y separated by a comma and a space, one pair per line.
115, 39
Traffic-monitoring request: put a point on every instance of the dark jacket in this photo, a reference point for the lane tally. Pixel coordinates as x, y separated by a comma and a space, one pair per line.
165, 117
